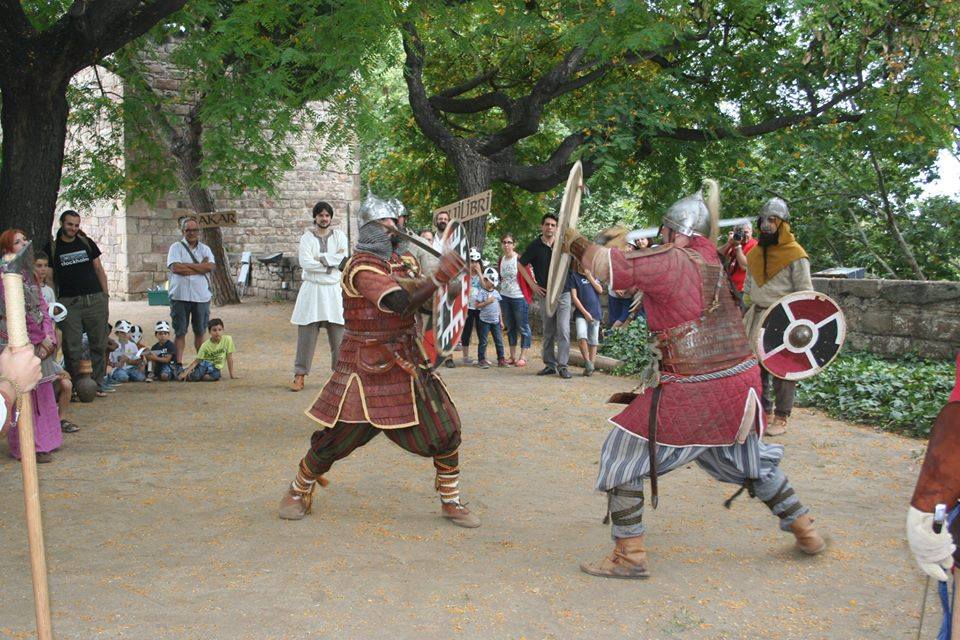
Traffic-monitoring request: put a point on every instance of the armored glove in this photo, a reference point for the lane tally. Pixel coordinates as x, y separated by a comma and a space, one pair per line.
932, 551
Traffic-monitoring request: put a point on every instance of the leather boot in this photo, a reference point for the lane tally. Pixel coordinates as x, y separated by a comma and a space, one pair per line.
297, 384
628, 560
808, 540
778, 426
459, 515
295, 506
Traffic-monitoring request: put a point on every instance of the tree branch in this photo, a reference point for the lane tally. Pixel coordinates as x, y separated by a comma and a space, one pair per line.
423, 112
545, 176
469, 85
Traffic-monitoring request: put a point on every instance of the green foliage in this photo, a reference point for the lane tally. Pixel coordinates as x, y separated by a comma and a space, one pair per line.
629, 344
904, 395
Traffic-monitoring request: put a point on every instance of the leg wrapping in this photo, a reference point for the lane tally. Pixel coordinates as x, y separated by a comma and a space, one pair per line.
625, 510
306, 482
777, 493
448, 477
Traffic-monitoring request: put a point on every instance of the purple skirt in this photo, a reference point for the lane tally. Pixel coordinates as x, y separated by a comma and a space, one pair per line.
46, 422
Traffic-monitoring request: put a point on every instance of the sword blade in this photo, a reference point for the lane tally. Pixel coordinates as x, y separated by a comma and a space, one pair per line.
417, 240
653, 232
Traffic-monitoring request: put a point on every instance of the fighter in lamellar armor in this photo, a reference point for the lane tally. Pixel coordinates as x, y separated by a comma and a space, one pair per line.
382, 382
702, 404
938, 484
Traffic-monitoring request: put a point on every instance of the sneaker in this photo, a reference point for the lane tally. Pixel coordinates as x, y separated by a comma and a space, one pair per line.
483, 364
588, 368
467, 360
68, 427
564, 373
44, 457
502, 362
547, 371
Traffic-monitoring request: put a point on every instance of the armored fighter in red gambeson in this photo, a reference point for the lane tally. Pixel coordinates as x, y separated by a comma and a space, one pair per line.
383, 382
702, 403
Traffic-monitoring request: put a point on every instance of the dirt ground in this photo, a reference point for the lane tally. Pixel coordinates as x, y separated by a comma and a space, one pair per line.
160, 521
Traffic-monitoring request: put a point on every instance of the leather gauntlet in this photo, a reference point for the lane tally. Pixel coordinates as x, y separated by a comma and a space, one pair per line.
448, 268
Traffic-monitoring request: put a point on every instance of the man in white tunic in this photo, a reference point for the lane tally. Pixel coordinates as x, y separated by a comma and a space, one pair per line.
778, 265
319, 302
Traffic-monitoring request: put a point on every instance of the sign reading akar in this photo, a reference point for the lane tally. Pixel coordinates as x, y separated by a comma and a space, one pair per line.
468, 208
208, 220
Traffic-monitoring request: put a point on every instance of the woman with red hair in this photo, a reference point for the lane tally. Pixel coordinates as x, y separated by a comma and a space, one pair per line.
46, 417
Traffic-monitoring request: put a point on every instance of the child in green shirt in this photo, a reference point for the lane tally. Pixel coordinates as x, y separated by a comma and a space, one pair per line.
212, 355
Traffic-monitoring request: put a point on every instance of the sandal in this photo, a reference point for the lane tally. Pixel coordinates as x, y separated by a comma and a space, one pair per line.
521, 362
68, 427
101, 394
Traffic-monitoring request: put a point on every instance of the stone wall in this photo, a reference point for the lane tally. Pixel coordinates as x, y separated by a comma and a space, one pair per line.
894, 317
136, 236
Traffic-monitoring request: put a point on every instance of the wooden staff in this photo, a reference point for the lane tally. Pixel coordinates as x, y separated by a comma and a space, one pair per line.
17, 337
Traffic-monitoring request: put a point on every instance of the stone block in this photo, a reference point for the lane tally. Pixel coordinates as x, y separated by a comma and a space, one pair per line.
839, 286
917, 292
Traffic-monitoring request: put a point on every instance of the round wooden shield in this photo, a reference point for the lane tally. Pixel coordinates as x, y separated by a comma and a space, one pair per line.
567, 219
450, 300
800, 335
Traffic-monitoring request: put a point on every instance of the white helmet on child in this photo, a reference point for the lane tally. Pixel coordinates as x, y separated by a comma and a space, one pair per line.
474, 255
58, 312
123, 325
162, 325
491, 274
136, 332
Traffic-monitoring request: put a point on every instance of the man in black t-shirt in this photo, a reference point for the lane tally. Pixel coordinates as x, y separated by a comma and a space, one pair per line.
81, 285
556, 328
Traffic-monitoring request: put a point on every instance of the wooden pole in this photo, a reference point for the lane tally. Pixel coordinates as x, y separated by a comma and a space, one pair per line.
17, 332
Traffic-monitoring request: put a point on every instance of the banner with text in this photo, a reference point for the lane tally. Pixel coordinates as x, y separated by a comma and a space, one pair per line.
208, 220
468, 208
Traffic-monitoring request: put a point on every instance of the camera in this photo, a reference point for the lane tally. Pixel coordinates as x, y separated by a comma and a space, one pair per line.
738, 235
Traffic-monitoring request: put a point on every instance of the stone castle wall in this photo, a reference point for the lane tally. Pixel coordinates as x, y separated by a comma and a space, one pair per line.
135, 237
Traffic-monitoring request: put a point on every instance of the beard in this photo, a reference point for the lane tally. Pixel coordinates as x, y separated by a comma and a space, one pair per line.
768, 239
323, 225
441, 226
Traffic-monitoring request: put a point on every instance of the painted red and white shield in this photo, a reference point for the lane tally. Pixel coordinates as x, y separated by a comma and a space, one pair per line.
800, 335
450, 302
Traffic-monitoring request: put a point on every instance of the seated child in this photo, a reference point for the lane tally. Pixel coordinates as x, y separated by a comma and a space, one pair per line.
163, 354
63, 384
124, 359
216, 351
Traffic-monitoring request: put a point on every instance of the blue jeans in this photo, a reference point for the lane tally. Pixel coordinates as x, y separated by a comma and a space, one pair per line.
204, 368
172, 370
489, 327
516, 316
126, 374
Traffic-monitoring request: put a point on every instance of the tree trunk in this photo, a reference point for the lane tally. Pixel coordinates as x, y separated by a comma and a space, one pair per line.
189, 157
34, 121
892, 222
473, 177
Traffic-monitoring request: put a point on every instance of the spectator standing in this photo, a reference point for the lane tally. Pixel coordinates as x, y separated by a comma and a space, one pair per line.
473, 315
47, 434
516, 298
81, 287
585, 296
739, 243
320, 299
441, 221
190, 263
486, 298
556, 328
63, 385
780, 266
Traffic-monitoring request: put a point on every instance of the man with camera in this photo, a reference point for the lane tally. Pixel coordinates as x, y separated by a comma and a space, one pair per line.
740, 242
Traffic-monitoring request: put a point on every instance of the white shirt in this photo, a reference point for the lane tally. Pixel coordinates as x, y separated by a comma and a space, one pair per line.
438, 241
195, 288
319, 298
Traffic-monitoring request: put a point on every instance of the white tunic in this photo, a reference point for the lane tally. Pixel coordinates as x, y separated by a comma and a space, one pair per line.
319, 298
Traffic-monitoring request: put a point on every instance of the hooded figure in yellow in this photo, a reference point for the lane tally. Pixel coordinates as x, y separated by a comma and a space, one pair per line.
777, 266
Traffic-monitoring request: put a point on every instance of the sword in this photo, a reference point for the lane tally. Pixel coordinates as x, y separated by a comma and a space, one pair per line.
417, 240
653, 232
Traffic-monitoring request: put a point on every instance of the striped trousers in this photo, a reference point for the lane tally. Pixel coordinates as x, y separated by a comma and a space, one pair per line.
625, 462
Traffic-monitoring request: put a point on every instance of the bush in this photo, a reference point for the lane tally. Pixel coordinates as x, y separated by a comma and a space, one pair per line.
904, 395
628, 344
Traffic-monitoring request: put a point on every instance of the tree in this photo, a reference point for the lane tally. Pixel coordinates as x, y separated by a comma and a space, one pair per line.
514, 94
247, 72
42, 46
